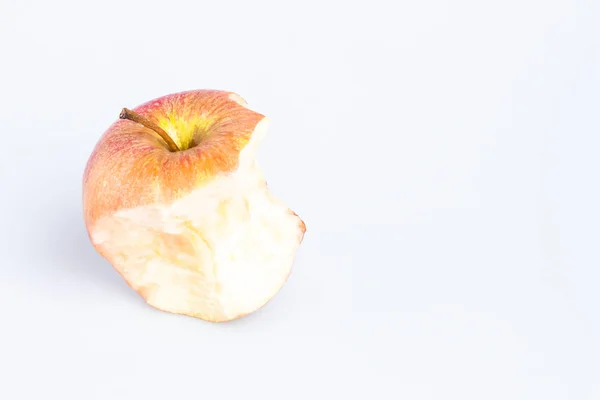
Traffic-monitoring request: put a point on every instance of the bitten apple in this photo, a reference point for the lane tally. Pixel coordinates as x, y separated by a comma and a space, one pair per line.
174, 199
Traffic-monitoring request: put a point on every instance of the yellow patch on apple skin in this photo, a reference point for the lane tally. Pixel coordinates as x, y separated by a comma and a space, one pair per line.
187, 132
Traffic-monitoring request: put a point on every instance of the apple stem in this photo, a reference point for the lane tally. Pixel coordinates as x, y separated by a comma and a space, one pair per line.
135, 117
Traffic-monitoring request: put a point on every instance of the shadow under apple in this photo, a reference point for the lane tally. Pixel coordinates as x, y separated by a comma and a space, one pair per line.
68, 254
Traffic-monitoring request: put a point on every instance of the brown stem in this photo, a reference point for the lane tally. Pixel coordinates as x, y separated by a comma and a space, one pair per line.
135, 117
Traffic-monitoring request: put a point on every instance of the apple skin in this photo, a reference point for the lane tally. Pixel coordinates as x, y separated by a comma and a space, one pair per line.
131, 166
194, 232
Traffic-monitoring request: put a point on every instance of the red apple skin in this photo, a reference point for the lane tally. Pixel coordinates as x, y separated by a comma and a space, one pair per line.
132, 167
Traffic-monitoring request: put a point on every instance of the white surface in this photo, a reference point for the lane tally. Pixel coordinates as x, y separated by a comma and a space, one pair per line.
444, 155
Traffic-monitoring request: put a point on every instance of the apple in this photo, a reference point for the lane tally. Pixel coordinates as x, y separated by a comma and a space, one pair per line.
174, 199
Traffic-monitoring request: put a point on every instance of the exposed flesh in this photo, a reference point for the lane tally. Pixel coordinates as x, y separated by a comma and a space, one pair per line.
218, 253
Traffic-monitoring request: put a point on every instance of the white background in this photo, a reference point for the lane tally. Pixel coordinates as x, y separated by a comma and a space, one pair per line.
444, 155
